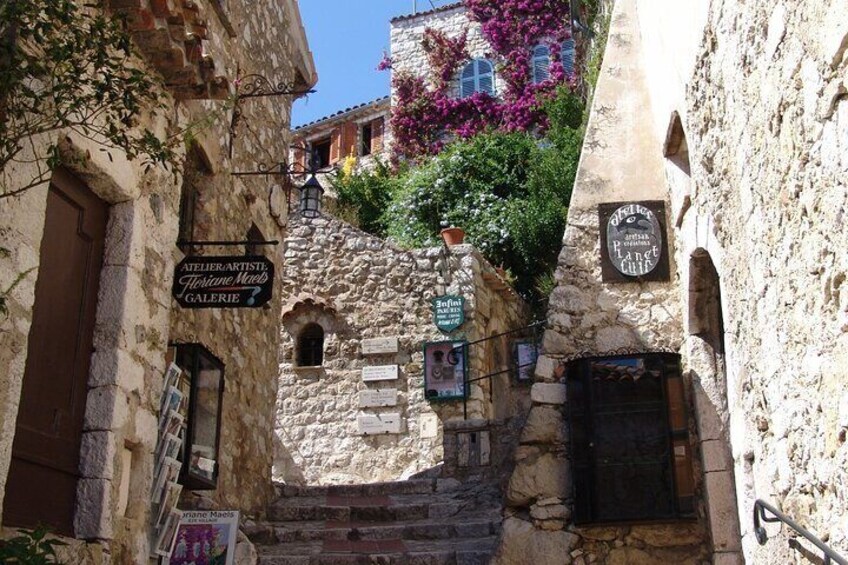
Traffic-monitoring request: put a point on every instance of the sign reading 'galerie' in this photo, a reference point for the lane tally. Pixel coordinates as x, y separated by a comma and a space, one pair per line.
632, 241
241, 281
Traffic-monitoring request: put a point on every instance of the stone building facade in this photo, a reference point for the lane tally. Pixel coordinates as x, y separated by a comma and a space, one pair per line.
138, 217
733, 116
357, 134
408, 53
359, 288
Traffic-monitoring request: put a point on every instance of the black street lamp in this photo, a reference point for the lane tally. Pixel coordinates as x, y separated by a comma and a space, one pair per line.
310, 197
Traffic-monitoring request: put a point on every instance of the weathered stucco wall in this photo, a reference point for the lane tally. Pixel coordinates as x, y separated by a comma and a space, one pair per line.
357, 286
136, 317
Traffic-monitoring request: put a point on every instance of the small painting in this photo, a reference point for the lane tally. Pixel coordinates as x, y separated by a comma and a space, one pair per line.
205, 538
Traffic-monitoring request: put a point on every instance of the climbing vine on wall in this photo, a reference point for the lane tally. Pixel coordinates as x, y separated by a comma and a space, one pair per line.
426, 111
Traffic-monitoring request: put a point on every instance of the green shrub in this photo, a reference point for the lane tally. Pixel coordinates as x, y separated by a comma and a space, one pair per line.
30, 548
363, 196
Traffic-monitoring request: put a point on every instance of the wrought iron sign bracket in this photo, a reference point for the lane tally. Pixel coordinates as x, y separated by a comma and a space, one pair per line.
258, 86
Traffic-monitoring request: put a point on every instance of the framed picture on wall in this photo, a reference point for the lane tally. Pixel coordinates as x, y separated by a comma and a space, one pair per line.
445, 370
205, 537
525, 353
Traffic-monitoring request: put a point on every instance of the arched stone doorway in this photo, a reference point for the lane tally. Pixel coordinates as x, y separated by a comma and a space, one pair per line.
708, 373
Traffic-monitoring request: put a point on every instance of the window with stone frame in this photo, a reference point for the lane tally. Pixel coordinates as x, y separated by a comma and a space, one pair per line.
195, 175
477, 76
631, 456
310, 346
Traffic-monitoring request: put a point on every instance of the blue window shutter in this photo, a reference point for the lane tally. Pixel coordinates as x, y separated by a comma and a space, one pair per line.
541, 64
476, 76
568, 56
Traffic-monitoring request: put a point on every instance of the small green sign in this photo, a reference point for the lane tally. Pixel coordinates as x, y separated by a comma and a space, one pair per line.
448, 312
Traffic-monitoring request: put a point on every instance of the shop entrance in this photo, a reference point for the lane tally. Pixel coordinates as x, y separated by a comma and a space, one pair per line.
42, 483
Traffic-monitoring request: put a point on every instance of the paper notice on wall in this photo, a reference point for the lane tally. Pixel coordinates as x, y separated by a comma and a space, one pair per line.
429, 426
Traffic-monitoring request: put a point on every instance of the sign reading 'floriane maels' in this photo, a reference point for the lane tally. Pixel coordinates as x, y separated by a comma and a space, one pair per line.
633, 241
239, 281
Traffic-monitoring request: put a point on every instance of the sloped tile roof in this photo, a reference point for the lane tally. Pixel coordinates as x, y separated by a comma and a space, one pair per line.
444, 8
352, 109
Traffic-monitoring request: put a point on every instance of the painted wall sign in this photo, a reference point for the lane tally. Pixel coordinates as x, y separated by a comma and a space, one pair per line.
448, 312
379, 345
526, 353
372, 424
377, 398
380, 373
240, 281
444, 370
633, 242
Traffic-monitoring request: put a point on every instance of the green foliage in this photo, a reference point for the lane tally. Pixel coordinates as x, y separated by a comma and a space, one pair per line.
362, 197
66, 65
30, 548
508, 191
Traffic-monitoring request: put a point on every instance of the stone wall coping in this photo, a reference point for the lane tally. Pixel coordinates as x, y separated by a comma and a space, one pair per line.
473, 425
548, 393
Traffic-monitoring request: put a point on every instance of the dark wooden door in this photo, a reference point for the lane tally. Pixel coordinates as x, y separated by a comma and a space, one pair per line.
41, 488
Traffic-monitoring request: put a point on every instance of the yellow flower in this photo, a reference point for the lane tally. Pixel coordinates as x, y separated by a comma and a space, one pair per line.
349, 164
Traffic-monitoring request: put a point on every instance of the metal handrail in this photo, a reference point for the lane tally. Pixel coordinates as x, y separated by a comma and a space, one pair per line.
760, 507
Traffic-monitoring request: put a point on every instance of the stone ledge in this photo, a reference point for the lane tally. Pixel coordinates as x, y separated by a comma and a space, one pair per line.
548, 393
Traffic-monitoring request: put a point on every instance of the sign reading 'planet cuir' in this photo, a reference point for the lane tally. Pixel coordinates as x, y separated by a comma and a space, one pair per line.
632, 241
244, 281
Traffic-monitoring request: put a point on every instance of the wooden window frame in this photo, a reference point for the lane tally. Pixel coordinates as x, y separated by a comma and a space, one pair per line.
474, 78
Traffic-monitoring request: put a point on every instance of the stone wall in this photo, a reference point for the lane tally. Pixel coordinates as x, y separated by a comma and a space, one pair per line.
766, 121
136, 318
734, 114
356, 287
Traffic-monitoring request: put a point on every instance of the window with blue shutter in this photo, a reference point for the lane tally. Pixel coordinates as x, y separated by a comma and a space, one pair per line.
477, 76
541, 64
567, 56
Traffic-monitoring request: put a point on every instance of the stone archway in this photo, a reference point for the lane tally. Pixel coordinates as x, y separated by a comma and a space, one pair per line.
708, 374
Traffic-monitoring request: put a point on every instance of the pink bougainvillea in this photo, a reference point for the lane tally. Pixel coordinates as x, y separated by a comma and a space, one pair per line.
423, 117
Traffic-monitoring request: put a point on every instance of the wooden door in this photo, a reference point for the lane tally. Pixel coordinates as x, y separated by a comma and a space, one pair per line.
41, 487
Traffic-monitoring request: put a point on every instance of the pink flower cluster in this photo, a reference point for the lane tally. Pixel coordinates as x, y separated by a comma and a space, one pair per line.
424, 118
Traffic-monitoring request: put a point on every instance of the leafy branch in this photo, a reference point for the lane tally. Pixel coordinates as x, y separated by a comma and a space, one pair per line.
69, 67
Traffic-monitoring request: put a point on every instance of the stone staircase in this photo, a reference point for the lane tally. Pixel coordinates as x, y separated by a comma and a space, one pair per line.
416, 522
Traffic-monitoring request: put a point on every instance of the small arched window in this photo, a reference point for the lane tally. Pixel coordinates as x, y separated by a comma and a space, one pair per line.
567, 56
541, 63
310, 346
477, 76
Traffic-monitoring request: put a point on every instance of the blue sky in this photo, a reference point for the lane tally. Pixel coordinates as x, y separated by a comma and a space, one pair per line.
347, 39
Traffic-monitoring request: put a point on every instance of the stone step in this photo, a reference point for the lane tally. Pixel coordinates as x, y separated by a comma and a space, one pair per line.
410, 486
383, 552
475, 526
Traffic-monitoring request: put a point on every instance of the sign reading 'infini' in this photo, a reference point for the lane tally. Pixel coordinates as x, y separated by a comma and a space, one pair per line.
632, 241
448, 312
240, 281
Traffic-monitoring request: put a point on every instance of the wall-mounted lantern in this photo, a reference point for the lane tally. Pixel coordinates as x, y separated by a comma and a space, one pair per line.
310, 198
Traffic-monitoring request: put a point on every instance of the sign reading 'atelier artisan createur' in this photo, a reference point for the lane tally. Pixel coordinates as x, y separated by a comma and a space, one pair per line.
240, 281
633, 245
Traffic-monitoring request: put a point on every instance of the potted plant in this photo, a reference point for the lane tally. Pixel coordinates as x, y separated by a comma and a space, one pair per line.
453, 236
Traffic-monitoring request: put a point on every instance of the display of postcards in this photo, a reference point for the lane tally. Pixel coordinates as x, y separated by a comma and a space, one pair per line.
172, 379
171, 402
172, 425
169, 447
165, 540
168, 472
169, 502
205, 537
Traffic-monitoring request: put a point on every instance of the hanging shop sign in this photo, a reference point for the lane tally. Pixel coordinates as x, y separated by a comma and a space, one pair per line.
444, 370
525, 353
448, 312
633, 242
241, 281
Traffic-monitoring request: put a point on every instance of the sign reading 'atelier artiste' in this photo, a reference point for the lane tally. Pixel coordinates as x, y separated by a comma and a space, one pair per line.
241, 281
632, 241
